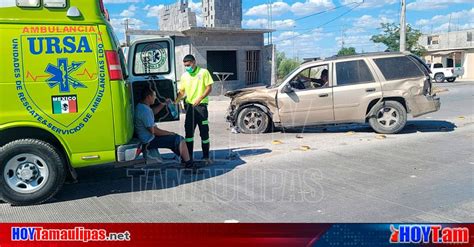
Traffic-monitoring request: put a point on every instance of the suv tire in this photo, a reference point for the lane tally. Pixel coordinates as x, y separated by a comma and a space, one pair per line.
389, 118
253, 120
451, 79
31, 172
439, 78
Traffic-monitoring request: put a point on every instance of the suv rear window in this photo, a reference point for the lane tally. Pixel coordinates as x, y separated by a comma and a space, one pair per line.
353, 72
395, 68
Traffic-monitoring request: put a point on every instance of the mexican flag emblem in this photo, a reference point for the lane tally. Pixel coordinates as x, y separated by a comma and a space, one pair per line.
64, 104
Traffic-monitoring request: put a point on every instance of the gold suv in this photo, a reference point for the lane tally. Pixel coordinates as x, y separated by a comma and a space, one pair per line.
378, 88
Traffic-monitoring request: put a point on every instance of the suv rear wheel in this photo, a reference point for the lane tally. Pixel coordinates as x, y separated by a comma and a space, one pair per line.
31, 172
389, 118
253, 120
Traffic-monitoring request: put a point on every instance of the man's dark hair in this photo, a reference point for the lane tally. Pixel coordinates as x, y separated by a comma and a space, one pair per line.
189, 58
145, 92
325, 73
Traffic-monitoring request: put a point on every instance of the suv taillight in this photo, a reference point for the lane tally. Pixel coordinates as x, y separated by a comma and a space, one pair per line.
113, 63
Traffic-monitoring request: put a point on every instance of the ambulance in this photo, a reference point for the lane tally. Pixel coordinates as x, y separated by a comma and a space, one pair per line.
67, 94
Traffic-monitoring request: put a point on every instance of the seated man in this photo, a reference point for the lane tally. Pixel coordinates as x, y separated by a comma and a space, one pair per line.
323, 81
156, 138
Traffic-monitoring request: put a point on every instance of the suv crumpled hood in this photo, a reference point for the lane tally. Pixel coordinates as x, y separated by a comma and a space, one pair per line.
261, 91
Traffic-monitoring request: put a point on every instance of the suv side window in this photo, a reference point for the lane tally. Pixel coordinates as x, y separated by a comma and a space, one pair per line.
311, 78
395, 68
353, 72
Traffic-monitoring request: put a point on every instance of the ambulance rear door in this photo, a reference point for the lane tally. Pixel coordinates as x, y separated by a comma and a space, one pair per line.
151, 63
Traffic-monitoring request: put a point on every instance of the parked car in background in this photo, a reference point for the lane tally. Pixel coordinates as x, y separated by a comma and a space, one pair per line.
378, 88
440, 73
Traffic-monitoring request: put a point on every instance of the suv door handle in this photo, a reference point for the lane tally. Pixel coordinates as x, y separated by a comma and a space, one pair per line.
324, 95
370, 90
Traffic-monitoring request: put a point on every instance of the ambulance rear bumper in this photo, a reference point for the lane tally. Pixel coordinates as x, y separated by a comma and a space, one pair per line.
129, 152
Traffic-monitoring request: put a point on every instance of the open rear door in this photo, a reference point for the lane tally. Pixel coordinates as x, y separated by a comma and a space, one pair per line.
151, 63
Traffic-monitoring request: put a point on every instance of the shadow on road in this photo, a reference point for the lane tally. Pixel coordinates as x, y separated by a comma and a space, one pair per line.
105, 180
412, 126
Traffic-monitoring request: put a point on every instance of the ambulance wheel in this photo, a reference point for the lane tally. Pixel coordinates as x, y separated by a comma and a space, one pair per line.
31, 172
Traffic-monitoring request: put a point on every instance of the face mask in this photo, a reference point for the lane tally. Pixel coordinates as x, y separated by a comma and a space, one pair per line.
189, 69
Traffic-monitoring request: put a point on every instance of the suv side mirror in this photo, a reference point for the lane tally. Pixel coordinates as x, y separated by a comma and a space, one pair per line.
287, 89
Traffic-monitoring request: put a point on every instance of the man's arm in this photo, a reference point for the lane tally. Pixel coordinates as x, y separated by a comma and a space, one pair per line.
159, 132
206, 93
158, 108
180, 96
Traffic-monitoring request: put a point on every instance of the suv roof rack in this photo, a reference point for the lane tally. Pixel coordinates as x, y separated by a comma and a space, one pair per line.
366, 54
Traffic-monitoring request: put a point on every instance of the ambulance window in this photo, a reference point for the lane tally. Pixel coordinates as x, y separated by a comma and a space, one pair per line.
122, 63
152, 58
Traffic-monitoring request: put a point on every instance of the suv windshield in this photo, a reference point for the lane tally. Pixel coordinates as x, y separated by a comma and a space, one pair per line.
278, 83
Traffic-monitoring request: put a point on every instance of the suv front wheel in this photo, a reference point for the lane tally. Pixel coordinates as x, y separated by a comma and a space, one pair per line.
253, 120
389, 118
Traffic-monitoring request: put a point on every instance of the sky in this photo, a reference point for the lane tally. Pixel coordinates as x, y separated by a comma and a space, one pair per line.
302, 34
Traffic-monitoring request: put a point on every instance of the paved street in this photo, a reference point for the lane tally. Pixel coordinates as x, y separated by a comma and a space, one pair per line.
337, 174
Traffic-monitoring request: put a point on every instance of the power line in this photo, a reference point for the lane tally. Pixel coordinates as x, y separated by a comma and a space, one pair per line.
330, 21
330, 27
327, 10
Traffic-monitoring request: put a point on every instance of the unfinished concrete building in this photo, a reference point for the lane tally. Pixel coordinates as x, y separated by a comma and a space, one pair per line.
221, 46
222, 13
177, 17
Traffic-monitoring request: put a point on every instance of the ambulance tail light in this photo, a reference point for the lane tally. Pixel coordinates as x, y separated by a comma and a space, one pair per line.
113, 63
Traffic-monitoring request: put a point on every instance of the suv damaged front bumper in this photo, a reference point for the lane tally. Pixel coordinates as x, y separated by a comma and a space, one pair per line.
230, 115
421, 105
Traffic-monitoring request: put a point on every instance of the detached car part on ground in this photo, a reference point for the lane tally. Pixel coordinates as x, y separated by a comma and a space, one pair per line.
378, 88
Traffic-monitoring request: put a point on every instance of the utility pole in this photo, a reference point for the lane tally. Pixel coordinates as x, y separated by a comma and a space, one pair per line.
126, 24
403, 27
271, 21
343, 37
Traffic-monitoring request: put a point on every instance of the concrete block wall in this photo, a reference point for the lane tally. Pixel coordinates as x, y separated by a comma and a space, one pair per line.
222, 13
268, 70
176, 17
228, 39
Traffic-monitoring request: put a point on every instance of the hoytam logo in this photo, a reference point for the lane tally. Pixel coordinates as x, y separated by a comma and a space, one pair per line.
79, 234
435, 234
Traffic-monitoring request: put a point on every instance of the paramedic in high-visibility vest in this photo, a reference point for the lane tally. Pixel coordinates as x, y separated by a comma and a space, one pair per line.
196, 85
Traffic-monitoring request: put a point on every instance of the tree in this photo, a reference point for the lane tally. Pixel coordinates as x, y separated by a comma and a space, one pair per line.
285, 65
391, 38
280, 56
347, 51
